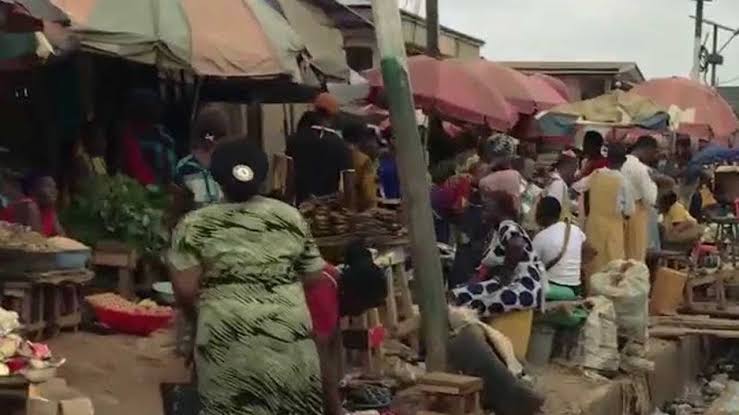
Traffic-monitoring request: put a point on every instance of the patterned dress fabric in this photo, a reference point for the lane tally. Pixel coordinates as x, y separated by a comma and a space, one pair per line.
526, 286
253, 350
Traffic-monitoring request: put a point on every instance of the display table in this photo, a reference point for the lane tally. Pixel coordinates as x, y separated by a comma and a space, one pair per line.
45, 301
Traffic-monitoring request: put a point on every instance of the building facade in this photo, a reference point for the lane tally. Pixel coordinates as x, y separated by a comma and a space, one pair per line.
585, 79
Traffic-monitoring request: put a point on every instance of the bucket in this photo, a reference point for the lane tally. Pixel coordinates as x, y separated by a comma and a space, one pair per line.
516, 325
540, 344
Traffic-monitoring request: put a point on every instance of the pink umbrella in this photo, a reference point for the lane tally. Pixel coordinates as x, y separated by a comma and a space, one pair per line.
447, 88
713, 115
526, 94
553, 82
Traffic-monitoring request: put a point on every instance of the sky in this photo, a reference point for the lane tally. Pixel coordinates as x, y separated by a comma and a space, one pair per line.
656, 34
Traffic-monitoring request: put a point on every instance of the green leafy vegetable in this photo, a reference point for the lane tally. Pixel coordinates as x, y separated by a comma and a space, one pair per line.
118, 208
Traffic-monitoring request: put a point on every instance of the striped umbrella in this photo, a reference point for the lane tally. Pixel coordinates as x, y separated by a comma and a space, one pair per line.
216, 38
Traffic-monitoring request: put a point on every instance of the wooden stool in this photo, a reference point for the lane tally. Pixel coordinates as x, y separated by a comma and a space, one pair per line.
399, 314
364, 335
63, 307
26, 299
125, 259
452, 394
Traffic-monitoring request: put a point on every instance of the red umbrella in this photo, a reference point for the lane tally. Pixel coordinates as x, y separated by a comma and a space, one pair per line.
556, 83
526, 94
713, 115
447, 88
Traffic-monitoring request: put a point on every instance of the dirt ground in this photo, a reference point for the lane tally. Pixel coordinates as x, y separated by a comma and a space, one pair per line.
121, 374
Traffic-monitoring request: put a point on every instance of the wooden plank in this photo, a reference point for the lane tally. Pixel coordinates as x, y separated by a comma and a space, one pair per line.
712, 309
703, 322
464, 383
444, 390
664, 332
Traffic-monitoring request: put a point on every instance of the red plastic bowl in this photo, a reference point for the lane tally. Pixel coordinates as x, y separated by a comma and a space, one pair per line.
125, 322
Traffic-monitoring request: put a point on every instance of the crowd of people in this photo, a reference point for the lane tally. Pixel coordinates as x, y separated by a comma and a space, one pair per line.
250, 278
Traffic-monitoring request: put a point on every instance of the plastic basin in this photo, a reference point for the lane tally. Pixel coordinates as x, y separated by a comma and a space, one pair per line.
129, 323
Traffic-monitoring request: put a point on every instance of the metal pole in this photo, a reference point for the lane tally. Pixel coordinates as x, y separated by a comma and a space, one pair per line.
414, 184
695, 72
715, 52
432, 29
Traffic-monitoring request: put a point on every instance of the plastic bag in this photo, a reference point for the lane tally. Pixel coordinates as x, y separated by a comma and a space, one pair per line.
626, 283
598, 340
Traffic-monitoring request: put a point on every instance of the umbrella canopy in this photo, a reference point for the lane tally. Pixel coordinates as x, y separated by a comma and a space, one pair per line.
15, 18
555, 83
614, 109
220, 38
447, 88
701, 108
526, 94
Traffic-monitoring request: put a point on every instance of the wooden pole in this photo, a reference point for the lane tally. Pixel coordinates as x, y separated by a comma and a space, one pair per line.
414, 183
432, 29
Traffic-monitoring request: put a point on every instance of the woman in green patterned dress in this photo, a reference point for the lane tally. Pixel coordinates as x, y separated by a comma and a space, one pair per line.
239, 266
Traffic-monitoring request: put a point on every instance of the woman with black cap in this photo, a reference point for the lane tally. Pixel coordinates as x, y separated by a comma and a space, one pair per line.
238, 266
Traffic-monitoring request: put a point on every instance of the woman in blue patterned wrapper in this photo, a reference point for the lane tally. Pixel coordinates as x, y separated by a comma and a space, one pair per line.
511, 275
238, 268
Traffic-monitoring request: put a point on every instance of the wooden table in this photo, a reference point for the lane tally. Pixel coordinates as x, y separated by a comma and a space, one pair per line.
48, 300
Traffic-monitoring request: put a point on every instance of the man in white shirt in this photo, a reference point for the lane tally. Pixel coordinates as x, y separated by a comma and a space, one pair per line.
644, 189
563, 175
563, 262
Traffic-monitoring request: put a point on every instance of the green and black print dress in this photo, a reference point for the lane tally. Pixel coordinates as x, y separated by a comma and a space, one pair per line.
253, 352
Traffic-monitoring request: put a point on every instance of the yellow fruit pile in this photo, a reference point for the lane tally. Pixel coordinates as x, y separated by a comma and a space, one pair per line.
115, 302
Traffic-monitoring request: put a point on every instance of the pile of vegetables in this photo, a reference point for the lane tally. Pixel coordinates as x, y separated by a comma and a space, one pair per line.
118, 208
18, 355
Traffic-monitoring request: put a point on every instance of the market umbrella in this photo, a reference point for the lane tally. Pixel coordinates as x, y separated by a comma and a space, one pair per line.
217, 38
555, 83
31, 31
615, 109
15, 18
701, 109
526, 94
447, 88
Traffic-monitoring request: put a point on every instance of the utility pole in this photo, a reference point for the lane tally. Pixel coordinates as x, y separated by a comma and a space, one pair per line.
432, 29
413, 182
715, 58
696, 71
714, 52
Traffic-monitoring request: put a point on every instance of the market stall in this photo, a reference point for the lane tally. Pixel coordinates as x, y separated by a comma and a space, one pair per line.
41, 279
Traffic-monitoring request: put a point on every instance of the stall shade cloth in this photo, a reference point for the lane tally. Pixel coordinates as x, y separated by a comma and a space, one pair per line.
226, 38
699, 109
616, 109
448, 89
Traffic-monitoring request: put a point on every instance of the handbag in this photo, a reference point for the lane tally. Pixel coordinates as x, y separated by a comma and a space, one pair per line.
568, 228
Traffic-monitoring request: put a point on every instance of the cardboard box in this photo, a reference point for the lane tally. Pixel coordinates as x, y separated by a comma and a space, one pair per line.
55, 397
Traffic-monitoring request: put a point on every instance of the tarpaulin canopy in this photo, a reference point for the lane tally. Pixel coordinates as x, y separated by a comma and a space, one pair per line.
219, 38
616, 109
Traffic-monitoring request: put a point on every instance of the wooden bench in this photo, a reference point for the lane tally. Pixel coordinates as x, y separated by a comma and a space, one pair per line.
452, 394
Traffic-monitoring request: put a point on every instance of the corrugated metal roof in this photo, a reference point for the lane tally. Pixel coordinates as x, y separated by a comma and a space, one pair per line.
731, 95
577, 67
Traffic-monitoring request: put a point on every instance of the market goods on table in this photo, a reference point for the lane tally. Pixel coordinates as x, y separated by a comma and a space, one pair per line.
327, 217
20, 357
118, 208
19, 237
142, 318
